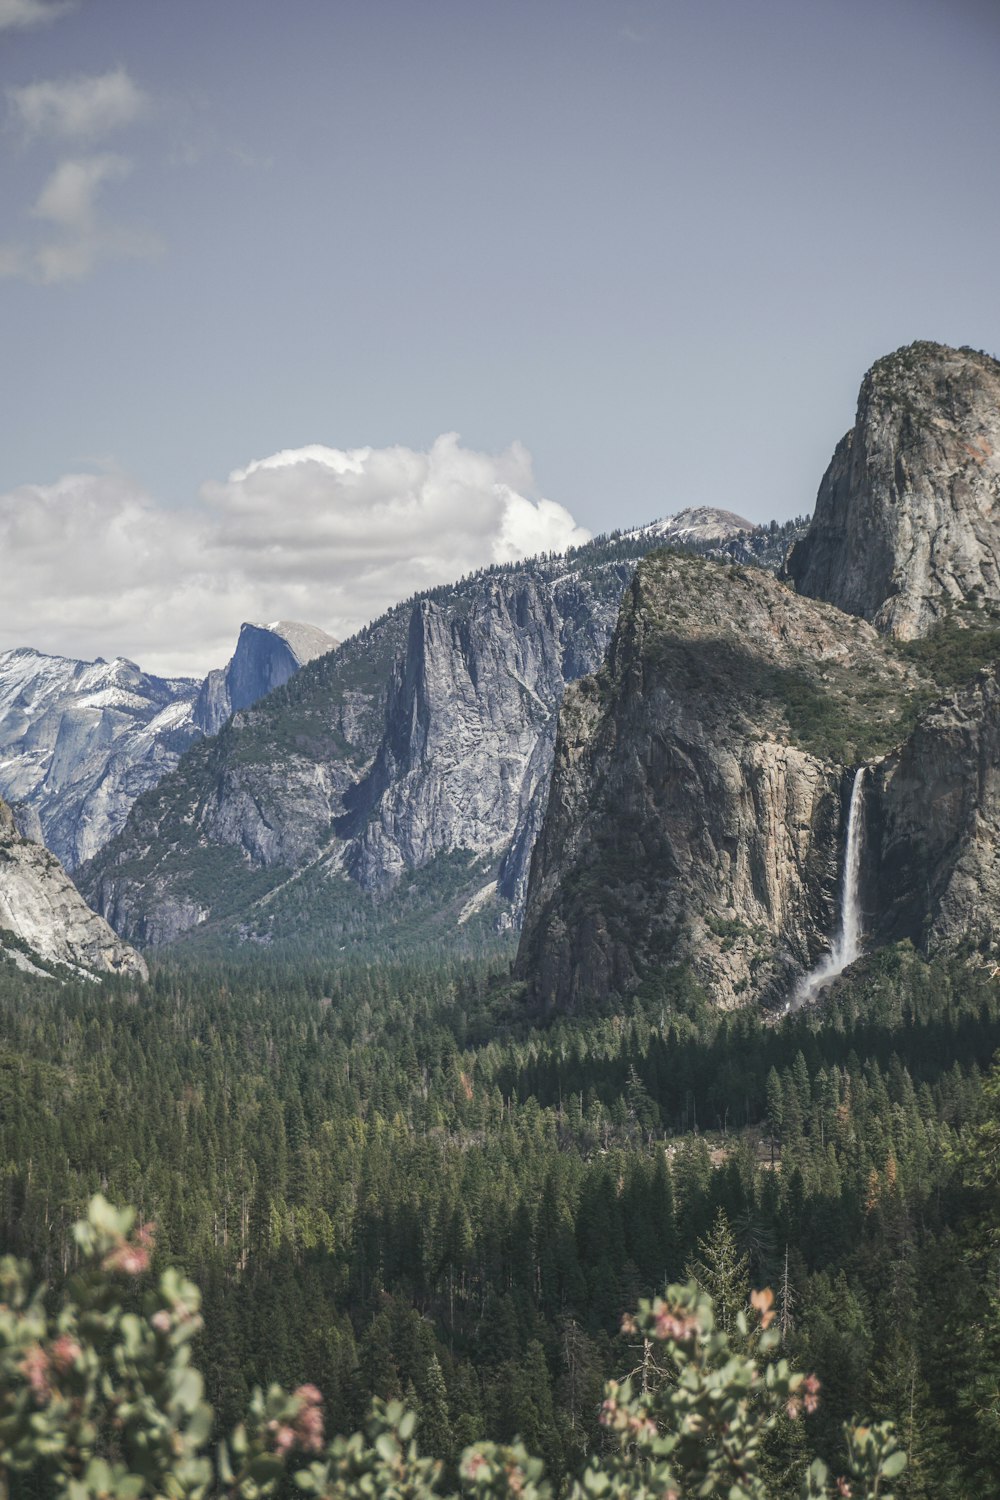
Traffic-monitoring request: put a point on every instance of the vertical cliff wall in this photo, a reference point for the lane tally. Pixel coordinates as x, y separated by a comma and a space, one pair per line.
699, 796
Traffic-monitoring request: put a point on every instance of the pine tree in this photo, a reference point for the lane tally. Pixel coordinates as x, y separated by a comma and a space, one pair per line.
723, 1272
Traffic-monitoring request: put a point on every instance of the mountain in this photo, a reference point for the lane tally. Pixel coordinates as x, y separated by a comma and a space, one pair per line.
698, 524
44, 923
907, 519
80, 741
703, 778
698, 806
266, 656
398, 782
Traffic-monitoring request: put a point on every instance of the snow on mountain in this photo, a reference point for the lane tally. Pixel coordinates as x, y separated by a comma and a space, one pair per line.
699, 523
80, 741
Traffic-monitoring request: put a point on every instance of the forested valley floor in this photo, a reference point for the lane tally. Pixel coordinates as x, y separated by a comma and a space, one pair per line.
388, 1181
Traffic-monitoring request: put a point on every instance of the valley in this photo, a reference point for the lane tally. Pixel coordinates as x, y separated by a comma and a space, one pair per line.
597, 922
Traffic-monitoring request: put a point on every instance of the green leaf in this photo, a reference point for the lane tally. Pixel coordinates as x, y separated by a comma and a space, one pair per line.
386, 1447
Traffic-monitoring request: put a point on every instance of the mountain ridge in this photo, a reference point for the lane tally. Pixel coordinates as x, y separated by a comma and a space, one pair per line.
330, 780
80, 741
698, 809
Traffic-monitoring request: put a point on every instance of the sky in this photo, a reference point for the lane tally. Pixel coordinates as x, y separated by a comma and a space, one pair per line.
307, 306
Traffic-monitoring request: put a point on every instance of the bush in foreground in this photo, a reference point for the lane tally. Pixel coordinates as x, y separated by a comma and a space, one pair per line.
98, 1402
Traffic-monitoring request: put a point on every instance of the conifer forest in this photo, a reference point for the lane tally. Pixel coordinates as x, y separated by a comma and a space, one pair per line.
388, 1184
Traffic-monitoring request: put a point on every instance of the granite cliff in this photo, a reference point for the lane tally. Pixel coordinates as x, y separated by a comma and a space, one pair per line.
698, 800
403, 774
44, 923
907, 519
80, 741
266, 656
698, 812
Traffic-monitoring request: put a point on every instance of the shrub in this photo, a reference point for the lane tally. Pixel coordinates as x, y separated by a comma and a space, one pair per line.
100, 1401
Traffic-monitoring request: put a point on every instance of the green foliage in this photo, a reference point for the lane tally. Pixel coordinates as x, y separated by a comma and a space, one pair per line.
957, 647
379, 1173
101, 1401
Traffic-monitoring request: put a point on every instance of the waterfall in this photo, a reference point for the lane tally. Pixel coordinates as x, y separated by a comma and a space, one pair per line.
847, 944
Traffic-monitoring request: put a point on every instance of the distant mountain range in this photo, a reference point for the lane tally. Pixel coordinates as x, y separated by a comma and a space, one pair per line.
394, 789
79, 741
657, 787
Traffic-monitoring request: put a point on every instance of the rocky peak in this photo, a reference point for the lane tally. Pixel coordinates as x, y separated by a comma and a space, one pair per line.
907, 519
697, 524
44, 921
266, 657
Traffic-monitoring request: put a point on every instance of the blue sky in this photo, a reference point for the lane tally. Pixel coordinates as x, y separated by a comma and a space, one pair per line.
638, 254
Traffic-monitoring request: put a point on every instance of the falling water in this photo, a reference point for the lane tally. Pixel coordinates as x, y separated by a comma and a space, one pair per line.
847, 944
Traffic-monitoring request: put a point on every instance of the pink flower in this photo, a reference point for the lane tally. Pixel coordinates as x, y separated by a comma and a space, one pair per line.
162, 1321
64, 1353
669, 1326
811, 1398
35, 1369
132, 1256
284, 1439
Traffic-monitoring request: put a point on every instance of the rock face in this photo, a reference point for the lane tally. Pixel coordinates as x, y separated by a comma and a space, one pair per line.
422, 744
80, 741
907, 519
698, 800
932, 854
43, 918
266, 656
429, 734
701, 780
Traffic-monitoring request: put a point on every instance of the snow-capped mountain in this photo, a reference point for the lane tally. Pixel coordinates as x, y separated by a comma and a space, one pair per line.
699, 523
80, 741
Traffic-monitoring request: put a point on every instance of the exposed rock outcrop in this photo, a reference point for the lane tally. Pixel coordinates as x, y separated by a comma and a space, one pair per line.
43, 918
80, 741
266, 657
700, 787
932, 851
698, 799
425, 742
907, 519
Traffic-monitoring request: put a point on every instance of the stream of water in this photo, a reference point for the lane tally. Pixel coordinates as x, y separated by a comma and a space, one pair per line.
847, 943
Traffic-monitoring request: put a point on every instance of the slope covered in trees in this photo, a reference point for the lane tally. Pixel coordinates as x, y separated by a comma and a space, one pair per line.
389, 1185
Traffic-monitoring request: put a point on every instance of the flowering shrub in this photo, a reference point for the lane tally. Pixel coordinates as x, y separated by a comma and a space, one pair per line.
101, 1403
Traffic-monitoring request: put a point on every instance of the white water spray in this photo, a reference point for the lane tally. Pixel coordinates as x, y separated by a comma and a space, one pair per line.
847, 944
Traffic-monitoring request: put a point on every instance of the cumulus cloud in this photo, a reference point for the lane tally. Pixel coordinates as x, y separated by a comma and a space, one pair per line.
95, 567
14, 13
79, 108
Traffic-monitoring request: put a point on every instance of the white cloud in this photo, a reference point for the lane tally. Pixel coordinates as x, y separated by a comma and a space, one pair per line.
67, 206
94, 567
32, 12
75, 238
80, 108
68, 197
